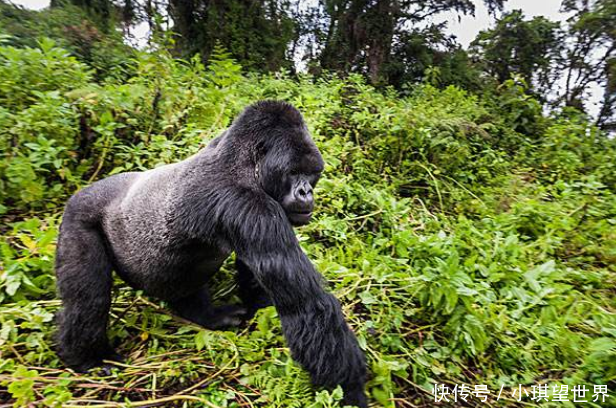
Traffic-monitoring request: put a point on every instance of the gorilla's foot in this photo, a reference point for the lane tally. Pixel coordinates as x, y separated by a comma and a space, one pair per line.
103, 370
93, 365
224, 317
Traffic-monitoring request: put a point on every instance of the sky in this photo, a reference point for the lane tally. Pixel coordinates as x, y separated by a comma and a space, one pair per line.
465, 28
32, 4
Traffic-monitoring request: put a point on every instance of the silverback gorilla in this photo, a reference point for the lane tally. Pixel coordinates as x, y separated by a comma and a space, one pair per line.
167, 230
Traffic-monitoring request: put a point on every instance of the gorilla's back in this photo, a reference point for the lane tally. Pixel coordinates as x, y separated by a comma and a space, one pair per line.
135, 224
148, 249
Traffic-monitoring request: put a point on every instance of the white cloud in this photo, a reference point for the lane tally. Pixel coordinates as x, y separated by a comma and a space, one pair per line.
32, 4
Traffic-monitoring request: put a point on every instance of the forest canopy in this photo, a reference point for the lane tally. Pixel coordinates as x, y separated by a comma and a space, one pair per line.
391, 42
466, 217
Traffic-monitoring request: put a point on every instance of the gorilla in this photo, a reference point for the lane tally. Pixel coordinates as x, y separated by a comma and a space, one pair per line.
167, 230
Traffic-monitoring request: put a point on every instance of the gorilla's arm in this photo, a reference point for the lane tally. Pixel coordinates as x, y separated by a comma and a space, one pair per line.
313, 323
312, 320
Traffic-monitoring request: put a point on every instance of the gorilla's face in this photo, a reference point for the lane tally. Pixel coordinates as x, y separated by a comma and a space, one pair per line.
298, 202
290, 174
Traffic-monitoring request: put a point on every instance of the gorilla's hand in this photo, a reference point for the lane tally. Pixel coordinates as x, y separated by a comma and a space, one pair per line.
355, 396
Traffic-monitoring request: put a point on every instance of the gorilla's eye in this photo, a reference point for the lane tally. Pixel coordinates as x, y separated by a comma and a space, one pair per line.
314, 178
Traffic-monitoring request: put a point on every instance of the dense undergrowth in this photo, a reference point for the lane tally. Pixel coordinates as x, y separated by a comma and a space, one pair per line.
471, 240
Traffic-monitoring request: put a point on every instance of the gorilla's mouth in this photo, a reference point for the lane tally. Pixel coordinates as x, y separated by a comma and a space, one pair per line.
299, 217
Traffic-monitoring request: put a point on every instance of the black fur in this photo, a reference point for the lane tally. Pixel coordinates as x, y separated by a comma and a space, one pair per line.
167, 230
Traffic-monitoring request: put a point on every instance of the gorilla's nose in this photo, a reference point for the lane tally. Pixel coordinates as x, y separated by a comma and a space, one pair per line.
303, 193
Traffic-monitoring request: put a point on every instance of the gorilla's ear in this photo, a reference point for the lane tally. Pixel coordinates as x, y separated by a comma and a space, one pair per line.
258, 152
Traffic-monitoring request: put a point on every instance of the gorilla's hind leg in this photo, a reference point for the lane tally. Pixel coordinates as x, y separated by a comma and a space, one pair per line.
83, 271
197, 308
251, 292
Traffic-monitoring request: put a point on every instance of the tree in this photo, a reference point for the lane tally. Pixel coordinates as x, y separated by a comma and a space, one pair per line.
360, 34
590, 58
428, 54
516, 46
560, 64
256, 33
100, 12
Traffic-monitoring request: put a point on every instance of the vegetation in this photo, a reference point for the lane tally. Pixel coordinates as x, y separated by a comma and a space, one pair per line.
470, 237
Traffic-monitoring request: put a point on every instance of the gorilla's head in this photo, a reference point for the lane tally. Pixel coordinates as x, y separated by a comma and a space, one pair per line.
287, 162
